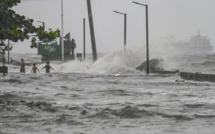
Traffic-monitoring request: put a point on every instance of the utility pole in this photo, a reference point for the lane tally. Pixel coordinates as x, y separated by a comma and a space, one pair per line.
84, 37
125, 31
62, 39
92, 34
8, 51
3, 62
147, 39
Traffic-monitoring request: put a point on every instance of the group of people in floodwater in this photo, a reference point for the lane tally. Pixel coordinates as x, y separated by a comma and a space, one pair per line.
35, 68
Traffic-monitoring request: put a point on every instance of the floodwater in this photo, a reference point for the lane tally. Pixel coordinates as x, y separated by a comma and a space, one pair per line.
108, 97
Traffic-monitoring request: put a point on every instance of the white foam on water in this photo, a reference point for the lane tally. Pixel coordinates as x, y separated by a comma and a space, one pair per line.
109, 63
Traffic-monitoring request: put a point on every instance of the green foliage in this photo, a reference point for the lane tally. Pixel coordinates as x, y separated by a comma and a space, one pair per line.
18, 28
33, 43
50, 35
13, 26
8, 48
45, 35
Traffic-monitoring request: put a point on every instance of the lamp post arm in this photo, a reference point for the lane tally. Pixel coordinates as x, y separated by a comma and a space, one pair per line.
42, 22
138, 3
118, 12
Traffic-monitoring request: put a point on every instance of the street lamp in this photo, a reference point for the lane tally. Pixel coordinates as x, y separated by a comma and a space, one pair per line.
125, 25
62, 39
147, 35
42, 23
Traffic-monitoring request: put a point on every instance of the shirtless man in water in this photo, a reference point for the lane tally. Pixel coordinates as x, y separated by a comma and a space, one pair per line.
35, 69
22, 66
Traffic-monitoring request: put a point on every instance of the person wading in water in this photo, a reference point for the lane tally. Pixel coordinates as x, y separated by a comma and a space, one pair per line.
22, 66
48, 67
34, 68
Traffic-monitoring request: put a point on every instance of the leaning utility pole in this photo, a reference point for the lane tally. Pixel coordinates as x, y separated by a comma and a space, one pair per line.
92, 34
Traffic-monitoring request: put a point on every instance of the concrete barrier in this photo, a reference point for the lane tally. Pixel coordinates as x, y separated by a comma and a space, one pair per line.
197, 76
167, 72
3, 69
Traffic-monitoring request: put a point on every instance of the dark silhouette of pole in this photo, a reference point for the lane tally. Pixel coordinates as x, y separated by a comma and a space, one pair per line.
125, 31
147, 38
92, 34
8, 51
43, 24
84, 37
147, 34
3, 62
62, 34
125, 27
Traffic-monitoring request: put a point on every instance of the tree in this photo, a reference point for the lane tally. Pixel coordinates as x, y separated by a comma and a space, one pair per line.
42, 34
16, 27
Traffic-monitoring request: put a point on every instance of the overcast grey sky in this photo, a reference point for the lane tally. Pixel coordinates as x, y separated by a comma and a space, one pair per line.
178, 18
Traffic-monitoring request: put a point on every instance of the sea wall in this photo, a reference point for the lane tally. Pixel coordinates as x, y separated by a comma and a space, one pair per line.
197, 76
167, 72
